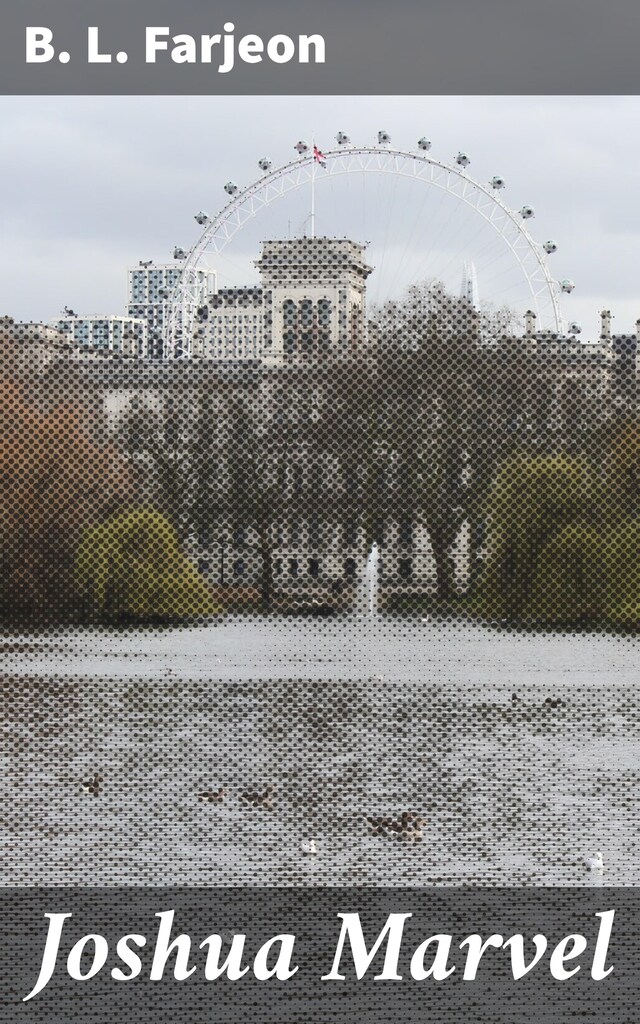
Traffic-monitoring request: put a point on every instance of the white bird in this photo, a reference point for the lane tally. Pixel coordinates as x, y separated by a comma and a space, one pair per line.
595, 864
308, 847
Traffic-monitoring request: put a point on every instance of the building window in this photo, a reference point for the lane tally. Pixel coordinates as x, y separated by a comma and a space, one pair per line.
406, 531
350, 533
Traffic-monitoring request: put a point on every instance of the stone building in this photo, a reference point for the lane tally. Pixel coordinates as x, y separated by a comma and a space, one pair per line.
231, 325
311, 301
105, 332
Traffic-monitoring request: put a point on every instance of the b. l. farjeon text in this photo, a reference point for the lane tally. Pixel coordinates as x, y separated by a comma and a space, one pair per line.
437, 957
222, 50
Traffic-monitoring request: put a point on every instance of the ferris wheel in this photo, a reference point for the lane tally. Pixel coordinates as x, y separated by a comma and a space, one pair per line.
452, 178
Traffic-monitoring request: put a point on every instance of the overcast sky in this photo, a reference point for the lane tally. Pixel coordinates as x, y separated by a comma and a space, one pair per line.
91, 185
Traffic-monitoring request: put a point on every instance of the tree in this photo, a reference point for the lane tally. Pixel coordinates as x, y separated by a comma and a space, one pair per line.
131, 567
151, 440
570, 578
622, 567
586, 574
589, 569
429, 378
533, 499
622, 465
56, 481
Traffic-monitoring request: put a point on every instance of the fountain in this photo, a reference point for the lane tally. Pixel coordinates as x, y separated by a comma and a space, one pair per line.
366, 602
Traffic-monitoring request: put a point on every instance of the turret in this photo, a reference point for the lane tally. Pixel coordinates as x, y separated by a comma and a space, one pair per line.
605, 328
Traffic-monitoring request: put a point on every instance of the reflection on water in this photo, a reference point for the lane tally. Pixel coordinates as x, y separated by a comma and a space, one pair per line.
347, 718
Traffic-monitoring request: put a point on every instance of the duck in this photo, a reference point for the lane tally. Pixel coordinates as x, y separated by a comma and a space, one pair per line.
554, 703
408, 826
92, 786
308, 847
375, 821
210, 796
413, 830
379, 825
264, 800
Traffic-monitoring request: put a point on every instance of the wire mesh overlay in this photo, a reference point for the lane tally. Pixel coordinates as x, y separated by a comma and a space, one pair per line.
361, 610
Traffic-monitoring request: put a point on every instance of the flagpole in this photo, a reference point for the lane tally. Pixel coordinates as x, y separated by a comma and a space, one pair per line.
313, 187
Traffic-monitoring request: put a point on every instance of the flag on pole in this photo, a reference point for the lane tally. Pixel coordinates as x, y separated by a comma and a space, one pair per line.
319, 156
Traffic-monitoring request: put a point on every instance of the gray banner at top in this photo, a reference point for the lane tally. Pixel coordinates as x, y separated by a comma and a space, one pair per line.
371, 46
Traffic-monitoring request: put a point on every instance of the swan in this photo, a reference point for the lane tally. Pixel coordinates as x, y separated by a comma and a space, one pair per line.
595, 864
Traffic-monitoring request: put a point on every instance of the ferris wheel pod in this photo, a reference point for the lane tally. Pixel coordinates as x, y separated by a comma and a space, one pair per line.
264, 163
526, 212
301, 147
179, 253
342, 138
463, 160
231, 188
383, 138
424, 143
201, 217
497, 181
567, 286
575, 327
550, 246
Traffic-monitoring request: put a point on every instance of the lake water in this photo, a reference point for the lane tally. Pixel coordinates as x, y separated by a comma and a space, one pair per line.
347, 717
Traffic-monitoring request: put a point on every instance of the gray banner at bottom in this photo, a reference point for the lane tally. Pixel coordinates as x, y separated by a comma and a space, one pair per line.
273, 956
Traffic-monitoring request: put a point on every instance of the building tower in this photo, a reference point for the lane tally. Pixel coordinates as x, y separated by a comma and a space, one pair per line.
469, 287
150, 289
314, 297
310, 303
